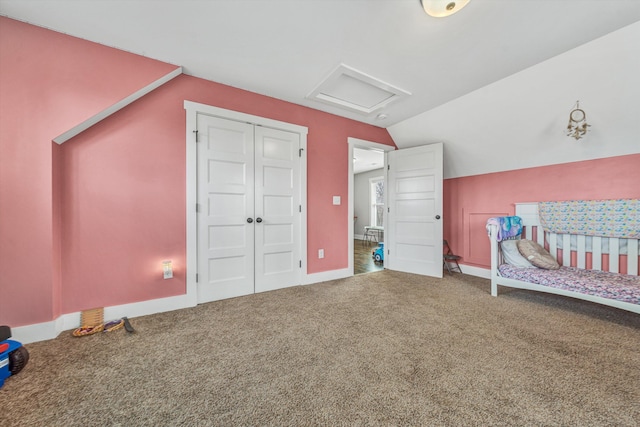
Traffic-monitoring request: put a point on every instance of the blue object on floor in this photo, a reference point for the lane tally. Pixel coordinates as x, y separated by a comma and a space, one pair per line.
378, 253
4, 359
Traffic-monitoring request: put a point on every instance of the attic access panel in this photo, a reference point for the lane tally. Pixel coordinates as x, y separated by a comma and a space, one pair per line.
353, 90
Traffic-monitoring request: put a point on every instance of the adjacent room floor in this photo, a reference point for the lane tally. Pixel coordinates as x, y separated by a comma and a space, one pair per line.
362, 260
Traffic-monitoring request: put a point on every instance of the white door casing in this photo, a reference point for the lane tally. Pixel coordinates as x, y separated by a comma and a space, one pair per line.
279, 156
414, 220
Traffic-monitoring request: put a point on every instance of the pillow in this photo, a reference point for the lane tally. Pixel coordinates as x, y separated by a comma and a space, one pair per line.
537, 255
512, 255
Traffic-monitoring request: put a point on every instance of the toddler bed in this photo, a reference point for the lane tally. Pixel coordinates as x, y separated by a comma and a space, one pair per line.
580, 266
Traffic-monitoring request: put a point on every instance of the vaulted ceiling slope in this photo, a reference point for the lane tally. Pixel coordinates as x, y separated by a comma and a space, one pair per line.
521, 121
285, 48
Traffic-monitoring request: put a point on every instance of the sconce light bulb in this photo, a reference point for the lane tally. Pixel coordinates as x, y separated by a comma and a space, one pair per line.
167, 269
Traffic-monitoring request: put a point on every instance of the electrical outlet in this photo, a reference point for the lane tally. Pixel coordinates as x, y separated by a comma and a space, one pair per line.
320, 253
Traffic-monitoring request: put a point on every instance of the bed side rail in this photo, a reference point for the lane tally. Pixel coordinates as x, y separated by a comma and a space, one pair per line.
594, 258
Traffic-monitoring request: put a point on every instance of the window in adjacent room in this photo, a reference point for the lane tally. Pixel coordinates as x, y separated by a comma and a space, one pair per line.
376, 198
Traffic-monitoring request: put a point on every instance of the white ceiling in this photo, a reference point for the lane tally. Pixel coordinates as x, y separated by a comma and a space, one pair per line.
285, 48
367, 160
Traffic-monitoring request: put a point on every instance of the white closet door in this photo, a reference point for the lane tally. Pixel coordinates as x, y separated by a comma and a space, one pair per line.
414, 198
278, 217
225, 205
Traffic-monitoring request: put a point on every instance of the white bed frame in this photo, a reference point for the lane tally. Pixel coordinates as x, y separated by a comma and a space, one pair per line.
533, 231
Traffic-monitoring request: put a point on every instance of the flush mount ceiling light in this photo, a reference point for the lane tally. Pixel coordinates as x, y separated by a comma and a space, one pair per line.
442, 8
353, 90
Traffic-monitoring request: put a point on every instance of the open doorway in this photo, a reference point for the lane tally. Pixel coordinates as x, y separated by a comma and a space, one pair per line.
367, 176
368, 210
413, 201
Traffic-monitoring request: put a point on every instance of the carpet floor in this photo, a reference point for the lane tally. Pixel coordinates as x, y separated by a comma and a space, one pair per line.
386, 348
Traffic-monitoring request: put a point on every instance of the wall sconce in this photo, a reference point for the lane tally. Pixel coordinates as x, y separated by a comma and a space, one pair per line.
167, 269
442, 8
577, 126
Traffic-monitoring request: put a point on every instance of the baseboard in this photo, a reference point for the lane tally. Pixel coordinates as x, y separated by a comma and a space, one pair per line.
485, 273
325, 276
49, 330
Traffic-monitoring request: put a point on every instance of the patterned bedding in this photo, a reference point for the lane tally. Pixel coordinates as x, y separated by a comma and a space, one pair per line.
603, 284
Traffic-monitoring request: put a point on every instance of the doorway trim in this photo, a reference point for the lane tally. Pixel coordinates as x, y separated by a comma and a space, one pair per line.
367, 145
192, 110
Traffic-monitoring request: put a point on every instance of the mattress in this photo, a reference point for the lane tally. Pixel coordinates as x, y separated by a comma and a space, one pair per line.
603, 284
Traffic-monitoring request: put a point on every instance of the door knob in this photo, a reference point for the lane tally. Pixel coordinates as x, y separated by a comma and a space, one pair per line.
437, 216
249, 220
258, 220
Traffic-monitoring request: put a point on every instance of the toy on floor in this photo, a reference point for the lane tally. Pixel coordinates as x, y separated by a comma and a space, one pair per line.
83, 331
91, 322
13, 356
111, 326
378, 253
114, 325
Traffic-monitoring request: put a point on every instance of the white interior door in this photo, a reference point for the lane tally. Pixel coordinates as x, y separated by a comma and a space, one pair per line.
225, 205
277, 209
414, 198
249, 209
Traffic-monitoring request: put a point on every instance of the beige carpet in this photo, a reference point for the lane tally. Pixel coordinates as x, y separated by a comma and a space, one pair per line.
378, 349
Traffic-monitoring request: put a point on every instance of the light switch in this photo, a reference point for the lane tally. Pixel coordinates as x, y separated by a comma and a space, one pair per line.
336, 200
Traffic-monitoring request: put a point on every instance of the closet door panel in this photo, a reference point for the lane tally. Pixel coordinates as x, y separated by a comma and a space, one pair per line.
225, 203
277, 205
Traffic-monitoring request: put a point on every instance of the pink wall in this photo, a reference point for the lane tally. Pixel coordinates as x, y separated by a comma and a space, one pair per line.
46, 87
327, 156
469, 201
124, 192
86, 223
